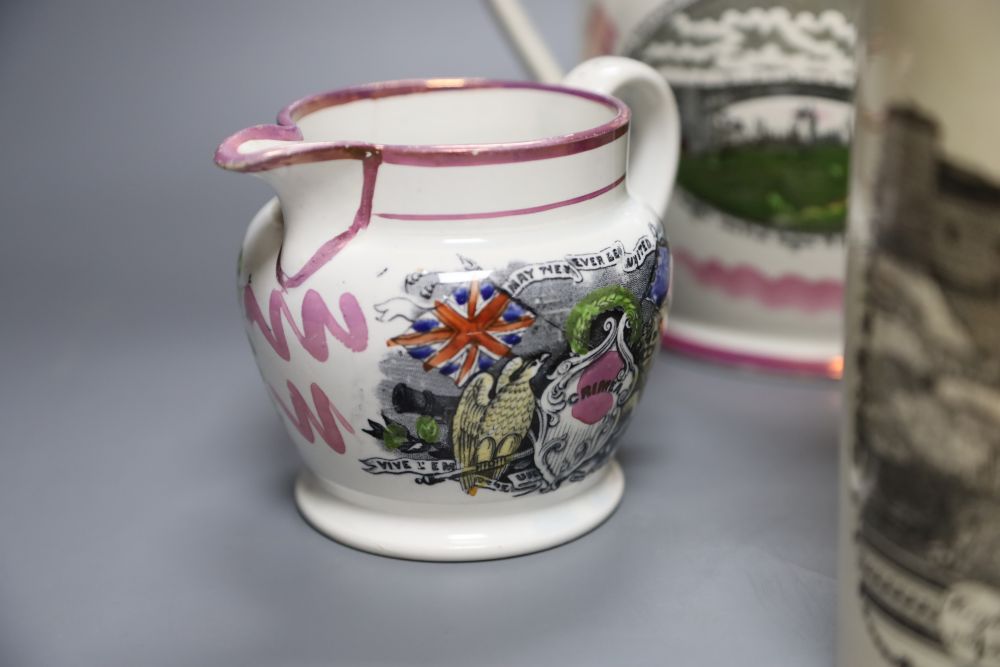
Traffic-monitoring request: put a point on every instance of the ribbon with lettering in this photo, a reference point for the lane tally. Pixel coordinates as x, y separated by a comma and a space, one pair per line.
439, 470
571, 267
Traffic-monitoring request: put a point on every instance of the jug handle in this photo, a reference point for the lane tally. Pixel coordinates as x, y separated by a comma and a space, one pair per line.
654, 142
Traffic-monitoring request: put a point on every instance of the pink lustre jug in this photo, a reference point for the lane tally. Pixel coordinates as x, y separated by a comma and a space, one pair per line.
455, 300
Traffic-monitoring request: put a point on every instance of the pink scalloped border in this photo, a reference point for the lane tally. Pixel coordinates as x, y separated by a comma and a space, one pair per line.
746, 282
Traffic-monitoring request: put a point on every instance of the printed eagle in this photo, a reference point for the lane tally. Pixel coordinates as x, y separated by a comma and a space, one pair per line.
487, 429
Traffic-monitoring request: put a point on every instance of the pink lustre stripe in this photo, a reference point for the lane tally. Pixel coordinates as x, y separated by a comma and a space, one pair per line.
296, 151
503, 214
744, 281
831, 368
332, 247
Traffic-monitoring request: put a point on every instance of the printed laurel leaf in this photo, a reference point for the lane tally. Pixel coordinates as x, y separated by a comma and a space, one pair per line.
394, 435
428, 429
592, 306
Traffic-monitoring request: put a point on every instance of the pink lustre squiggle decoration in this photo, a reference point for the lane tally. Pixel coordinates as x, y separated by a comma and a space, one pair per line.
324, 421
745, 282
316, 321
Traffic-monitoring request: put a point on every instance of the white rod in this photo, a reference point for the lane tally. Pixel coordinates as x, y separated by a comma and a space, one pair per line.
527, 41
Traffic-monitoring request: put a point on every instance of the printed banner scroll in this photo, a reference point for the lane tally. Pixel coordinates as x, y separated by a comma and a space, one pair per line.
570, 268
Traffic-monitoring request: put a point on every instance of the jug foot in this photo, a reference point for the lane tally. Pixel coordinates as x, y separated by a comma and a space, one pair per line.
731, 347
422, 531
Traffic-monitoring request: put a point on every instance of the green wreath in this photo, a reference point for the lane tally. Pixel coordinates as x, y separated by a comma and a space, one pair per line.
595, 304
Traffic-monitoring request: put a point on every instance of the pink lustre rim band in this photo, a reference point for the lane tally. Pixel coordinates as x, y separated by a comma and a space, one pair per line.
831, 368
451, 155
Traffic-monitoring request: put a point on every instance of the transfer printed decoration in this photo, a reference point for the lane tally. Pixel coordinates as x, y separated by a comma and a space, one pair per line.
926, 408
582, 405
468, 330
764, 99
517, 380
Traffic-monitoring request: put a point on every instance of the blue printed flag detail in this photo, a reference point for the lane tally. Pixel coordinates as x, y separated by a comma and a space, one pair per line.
467, 331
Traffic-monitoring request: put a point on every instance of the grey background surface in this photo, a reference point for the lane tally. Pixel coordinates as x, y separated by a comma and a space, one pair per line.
145, 480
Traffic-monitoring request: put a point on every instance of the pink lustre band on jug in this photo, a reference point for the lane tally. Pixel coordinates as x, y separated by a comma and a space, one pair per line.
746, 282
297, 151
228, 155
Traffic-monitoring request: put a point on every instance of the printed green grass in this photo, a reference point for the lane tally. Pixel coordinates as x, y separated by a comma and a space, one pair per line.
780, 185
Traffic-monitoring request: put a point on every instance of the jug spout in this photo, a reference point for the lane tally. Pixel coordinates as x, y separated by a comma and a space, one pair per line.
325, 191
447, 149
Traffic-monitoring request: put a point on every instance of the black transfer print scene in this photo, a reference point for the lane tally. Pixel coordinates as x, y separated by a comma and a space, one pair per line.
517, 380
927, 441
764, 96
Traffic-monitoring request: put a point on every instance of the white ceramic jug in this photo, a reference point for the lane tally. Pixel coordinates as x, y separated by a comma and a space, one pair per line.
455, 299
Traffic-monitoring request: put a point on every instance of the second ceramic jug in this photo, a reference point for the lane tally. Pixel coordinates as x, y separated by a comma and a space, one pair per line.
757, 221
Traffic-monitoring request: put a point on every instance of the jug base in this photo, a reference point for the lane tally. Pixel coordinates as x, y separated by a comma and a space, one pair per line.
448, 534
785, 356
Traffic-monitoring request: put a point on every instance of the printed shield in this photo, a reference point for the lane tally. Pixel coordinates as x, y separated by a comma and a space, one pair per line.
581, 407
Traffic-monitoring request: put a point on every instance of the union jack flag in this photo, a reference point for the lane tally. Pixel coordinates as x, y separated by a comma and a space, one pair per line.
469, 329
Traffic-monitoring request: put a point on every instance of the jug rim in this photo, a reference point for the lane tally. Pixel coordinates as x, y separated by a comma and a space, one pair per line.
286, 129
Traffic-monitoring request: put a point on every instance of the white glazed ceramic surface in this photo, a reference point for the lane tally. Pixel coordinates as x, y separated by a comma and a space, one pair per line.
455, 304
